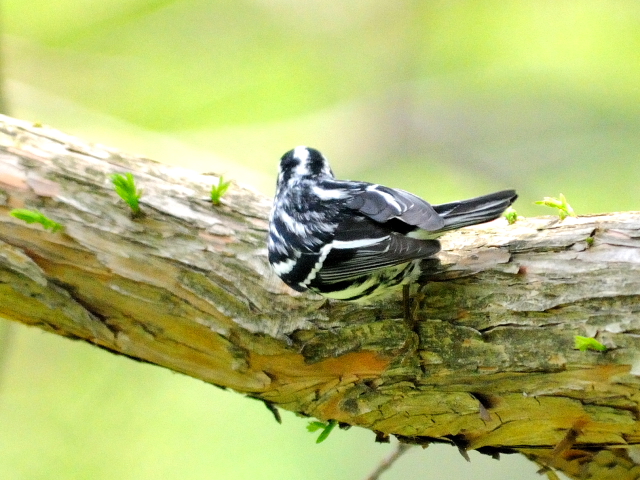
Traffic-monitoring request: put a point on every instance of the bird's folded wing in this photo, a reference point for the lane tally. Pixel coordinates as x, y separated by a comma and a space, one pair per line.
383, 204
361, 247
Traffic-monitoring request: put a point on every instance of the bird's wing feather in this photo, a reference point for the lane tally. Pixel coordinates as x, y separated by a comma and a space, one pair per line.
383, 204
388, 253
362, 246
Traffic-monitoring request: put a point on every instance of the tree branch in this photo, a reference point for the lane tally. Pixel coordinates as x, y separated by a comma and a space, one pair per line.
490, 364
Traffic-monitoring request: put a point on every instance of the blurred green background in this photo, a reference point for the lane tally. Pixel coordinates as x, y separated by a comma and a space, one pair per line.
447, 99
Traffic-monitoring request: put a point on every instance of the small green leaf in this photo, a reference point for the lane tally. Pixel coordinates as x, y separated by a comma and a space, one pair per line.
125, 186
511, 215
325, 427
34, 216
560, 203
217, 191
315, 426
586, 343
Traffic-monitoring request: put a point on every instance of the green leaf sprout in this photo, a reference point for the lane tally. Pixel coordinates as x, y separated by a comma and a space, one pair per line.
325, 427
217, 191
586, 343
511, 215
560, 203
125, 186
34, 216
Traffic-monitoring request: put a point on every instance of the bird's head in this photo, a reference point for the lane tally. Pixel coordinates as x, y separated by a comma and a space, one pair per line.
302, 162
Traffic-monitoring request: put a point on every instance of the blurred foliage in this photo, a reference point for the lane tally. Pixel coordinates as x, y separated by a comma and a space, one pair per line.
447, 99
541, 96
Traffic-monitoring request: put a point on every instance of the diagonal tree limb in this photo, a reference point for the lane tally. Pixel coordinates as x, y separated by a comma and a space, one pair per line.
490, 364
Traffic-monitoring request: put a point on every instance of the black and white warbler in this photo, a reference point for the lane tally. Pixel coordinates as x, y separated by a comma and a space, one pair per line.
352, 240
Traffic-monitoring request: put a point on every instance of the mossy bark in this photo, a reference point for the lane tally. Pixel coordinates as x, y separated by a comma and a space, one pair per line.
487, 363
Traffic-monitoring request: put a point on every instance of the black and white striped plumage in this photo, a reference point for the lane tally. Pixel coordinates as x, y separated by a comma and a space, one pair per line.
354, 240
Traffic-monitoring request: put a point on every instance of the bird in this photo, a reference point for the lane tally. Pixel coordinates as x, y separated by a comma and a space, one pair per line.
357, 241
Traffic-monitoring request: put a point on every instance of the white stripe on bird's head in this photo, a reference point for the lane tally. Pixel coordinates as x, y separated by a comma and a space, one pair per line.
310, 162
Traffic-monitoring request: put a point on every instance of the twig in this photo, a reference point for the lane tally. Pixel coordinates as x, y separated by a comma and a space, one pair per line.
388, 462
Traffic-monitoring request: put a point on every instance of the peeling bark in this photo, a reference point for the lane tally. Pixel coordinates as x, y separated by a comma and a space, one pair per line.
489, 364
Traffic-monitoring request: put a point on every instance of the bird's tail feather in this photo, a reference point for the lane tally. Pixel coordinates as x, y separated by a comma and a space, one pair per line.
475, 210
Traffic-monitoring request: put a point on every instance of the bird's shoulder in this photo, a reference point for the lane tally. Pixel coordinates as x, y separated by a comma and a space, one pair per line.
331, 189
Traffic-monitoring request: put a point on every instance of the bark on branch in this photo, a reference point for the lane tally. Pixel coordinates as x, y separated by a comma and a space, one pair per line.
490, 363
